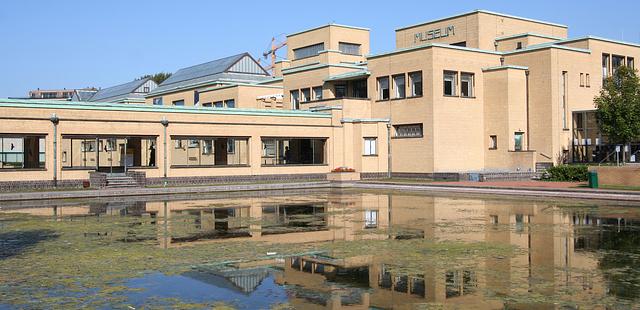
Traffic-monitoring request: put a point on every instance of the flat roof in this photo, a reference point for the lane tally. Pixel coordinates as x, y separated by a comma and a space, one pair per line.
598, 39
134, 107
482, 11
528, 34
327, 25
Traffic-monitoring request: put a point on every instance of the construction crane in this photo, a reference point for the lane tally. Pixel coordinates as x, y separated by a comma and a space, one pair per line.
271, 53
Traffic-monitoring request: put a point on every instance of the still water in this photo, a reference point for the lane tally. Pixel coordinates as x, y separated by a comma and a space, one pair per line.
333, 249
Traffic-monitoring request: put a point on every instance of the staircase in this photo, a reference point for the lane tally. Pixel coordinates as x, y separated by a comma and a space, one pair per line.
120, 180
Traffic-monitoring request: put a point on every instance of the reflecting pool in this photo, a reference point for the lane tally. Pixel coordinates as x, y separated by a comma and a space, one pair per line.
319, 249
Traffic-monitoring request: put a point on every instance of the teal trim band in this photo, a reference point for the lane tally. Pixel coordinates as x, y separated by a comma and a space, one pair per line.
348, 75
529, 34
327, 25
104, 106
598, 39
481, 11
547, 46
318, 66
365, 120
430, 45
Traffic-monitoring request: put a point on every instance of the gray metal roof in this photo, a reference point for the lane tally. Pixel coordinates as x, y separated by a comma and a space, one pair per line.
209, 72
121, 91
83, 95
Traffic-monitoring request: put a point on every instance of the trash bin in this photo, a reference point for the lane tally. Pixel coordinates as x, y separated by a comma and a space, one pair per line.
593, 179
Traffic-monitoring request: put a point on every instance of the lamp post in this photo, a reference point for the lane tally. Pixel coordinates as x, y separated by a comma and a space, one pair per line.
55, 120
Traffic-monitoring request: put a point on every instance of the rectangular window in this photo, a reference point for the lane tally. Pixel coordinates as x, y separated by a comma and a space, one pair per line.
450, 82
519, 45
110, 154
317, 93
630, 63
146, 89
306, 94
210, 151
408, 131
493, 142
308, 51
518, 138
581, 79
370, 146
383, 88
349, 48
399, 86
466, 85
370, 218
605, 67
293, 151
616, 62
208, 104
178, 103
341, 90
587, 80
22, 152
295, 99
157, 101
196, 97
415, 78
218, 104
231, 103
359, 89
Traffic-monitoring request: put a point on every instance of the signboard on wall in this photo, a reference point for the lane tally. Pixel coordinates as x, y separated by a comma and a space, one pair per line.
434, 34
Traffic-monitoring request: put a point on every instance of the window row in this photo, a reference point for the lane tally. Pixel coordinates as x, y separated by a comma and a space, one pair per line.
408, 131
518, 141
22, 152
308, 51
451, 85
209, 151
305, 95
229, 103
400, 86
109, 154
614, 62
585, 80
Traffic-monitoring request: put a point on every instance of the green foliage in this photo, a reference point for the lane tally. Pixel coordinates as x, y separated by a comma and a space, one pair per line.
618, 106
568, 173
158, 77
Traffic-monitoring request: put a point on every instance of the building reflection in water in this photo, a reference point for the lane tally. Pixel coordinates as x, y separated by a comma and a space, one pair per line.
555, 245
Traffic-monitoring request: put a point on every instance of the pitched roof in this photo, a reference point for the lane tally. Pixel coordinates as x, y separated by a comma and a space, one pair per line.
121, 91
83, 95
224, 69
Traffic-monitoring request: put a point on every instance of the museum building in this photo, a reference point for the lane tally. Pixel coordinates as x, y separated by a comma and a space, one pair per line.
475, 93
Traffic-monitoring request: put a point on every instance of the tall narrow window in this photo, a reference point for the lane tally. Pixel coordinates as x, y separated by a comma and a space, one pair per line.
493, 142
383, 88
519, 45
359, 89
466, 85
581, 79
616, 62
317, 93
605, 67
370, 146
306, 94
630, 63
518, 142
587, 80
196, 97
415, 78
564, 99
450, 81
295, 99
399, 86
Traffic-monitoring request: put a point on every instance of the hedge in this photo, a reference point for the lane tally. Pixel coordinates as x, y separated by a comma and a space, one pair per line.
568, 173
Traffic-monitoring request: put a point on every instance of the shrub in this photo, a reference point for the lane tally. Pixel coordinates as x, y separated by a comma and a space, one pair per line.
568, 173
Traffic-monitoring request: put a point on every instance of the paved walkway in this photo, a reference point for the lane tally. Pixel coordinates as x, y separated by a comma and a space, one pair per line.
518, 184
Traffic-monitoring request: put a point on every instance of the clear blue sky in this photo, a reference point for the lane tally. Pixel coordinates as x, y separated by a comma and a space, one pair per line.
56, 44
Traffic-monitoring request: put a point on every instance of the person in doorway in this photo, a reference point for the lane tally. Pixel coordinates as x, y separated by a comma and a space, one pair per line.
152, 156
287, 155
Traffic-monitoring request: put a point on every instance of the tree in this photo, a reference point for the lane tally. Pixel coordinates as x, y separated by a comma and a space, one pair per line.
618, 107
158, 77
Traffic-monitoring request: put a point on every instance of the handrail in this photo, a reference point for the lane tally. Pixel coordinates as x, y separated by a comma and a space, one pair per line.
606, 157
545, 155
